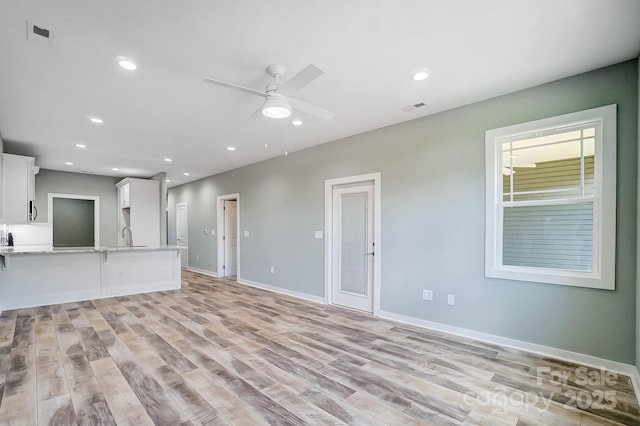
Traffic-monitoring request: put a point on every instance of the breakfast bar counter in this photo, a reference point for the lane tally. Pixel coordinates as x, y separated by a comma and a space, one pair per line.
43, 275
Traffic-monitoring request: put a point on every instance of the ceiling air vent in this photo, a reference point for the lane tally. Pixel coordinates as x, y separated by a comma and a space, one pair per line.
414, 106
39, 34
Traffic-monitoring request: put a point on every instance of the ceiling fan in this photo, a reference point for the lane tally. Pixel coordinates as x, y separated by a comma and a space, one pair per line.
278, 101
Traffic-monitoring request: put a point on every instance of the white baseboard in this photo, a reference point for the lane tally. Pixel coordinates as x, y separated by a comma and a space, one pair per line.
635, 380
284, 291
575, 357
202, 271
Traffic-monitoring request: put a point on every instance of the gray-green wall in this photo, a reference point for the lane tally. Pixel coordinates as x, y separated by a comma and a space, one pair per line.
51, 181
433, 219
73, 224
638, 242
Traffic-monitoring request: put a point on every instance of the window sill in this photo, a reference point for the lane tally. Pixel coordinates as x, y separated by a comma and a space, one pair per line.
537, 275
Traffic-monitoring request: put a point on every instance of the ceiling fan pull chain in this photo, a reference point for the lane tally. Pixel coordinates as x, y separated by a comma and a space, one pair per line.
286, 133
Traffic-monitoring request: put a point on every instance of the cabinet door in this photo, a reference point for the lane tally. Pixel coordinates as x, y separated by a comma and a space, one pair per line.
1, 180
145, 212
125, 200
15, 188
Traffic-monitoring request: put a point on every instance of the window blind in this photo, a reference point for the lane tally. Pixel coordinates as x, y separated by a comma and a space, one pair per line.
552, 236
558, 236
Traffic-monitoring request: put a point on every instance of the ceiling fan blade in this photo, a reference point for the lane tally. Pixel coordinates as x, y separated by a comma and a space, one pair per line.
235, 86
311, 109
257, 114
298, 81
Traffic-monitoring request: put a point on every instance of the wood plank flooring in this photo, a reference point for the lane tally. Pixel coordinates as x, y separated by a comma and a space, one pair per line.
216, 352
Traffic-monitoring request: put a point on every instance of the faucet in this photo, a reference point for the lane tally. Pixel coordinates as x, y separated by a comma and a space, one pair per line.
130, 235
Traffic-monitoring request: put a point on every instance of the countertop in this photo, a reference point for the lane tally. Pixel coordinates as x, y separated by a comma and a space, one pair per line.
42, 249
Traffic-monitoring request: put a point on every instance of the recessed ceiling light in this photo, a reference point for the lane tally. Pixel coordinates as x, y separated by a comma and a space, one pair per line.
186, 173
420, 75
168, 180
96, 120
266, 145
68, 163
127, 64
115, 169
231, 148
168, 160
297, 122
81, 145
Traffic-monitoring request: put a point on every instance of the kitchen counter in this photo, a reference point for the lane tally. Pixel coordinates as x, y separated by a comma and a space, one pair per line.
42, 249
44, 275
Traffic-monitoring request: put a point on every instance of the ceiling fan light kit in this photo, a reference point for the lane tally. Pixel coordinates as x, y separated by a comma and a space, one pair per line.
276, 106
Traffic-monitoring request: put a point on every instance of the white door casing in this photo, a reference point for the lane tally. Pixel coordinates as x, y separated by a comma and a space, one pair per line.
96, 213
230, 237
352, 242
182, 232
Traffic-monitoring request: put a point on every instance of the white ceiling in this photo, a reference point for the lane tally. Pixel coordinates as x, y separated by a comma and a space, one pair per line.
473, 49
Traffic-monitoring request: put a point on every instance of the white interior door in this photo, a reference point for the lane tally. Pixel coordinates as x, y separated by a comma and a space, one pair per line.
182, 232
353, 246
230, 238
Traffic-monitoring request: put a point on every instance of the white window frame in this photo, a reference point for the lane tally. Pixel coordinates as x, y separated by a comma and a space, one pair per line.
602, 275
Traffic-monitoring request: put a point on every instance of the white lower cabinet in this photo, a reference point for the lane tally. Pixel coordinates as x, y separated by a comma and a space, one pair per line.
40, 279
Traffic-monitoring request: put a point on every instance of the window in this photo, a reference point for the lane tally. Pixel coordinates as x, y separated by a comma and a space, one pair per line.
550, 200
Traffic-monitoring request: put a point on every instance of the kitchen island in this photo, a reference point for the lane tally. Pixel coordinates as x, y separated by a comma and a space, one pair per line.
43, 275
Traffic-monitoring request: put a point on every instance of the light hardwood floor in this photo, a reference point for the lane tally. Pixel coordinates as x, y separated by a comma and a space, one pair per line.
216, 352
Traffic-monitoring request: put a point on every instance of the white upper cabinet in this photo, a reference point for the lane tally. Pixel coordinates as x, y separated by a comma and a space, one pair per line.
1, 179
123, 194
139, 210
18, 188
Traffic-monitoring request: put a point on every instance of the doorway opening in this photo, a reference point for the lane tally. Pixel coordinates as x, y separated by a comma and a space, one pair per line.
75, 220
352, 244
182, 233
228, 236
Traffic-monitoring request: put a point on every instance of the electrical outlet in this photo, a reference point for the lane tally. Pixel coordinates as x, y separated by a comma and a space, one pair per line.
273, 270
427, 294
205, 232
451, 299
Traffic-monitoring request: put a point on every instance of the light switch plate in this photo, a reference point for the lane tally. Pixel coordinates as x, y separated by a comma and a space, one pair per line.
427, 294
246, 233
451, 299
318, 235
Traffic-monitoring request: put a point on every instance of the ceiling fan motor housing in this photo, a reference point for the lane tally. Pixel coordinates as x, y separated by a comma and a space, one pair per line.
272, 87
276, 71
